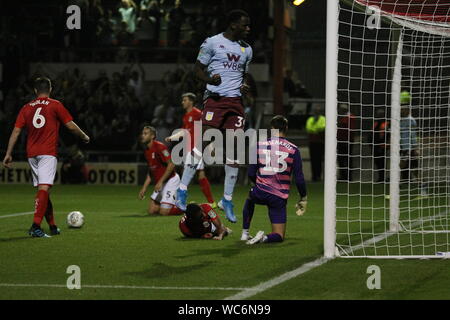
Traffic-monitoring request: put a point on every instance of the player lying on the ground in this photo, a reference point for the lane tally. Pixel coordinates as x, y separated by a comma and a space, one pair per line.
42, 118
201, 221
161, 169
192, 114
277, 160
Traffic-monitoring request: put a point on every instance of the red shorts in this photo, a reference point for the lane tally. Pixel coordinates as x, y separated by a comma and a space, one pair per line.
223, 113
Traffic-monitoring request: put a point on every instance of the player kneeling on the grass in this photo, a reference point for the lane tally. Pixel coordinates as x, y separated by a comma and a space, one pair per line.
42, 118
161, 169
277, 160
201, 221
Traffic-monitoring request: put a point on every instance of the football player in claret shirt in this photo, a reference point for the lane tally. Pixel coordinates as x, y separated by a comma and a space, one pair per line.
161, 170
201, 221
278, 159
42, 118
191, 116
222, 64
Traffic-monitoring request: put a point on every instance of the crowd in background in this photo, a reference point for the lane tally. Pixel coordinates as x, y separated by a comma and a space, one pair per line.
113, 108
134, 24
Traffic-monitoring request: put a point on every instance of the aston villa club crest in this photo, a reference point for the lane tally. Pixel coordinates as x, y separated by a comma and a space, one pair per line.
209, 116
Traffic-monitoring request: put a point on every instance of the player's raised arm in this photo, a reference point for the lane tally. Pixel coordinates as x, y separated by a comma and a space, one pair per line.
176, 136
7, 160
73, 127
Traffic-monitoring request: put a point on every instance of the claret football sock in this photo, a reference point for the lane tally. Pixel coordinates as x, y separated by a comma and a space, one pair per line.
41, 203
49, 217
175, 211
206, 189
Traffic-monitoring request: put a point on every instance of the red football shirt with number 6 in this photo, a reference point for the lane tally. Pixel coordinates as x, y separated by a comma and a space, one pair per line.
42, 118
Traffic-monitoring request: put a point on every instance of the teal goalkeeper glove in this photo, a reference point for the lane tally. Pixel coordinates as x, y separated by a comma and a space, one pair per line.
301, 206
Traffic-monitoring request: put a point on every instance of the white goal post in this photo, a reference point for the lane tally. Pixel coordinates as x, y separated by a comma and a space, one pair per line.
387, 160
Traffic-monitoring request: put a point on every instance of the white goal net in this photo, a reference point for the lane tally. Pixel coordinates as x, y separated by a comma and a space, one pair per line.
392, 130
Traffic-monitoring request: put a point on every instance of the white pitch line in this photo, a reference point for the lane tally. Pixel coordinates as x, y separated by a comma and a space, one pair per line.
119, 287
16, 214
309, 266
387, 234
246, 293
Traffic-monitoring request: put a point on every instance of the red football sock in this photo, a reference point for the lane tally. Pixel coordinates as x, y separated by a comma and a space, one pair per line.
175, 211
206, 189
49, 214
41, 202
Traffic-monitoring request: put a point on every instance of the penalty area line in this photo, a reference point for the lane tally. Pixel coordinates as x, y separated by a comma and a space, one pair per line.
16, 214
90, 286
249, 292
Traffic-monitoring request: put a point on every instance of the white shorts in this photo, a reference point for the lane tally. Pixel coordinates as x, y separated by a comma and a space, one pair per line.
189, 159
43, 169
168, 194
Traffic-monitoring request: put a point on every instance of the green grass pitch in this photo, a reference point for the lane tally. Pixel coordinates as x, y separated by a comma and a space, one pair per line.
120, 245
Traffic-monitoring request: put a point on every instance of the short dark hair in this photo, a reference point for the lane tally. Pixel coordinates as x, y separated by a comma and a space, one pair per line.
42, 85
236, 15
190, 96
279, 122
194, 219
152, 129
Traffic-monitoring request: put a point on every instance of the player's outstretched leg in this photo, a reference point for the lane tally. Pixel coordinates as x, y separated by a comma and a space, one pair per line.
260, 237
190, 168
247, 215
41, 203
50, 218
206, 188
231, 174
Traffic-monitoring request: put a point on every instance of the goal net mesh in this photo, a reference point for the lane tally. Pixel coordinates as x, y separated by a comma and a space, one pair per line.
393, 114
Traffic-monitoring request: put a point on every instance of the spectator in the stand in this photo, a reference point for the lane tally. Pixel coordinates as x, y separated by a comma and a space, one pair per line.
263, 49
104, 32
315, 127
136, 82
199, 31
1, 96
409, 146
145, 29
122, 36
380, 143
144, 4
289, 84
249, 102
73, 170
159, 121
128, 11
346, 127
175, 19
96, 9
154, 11
114, 19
